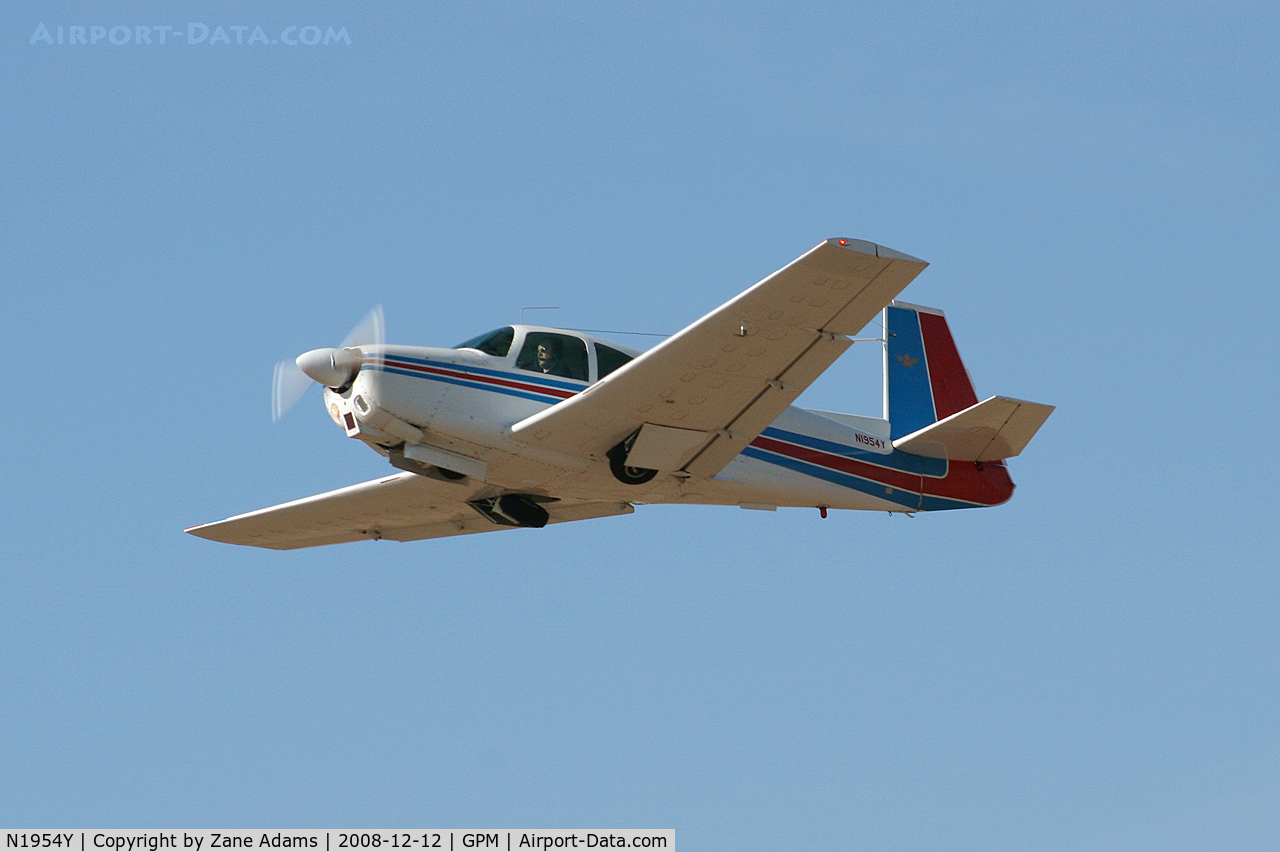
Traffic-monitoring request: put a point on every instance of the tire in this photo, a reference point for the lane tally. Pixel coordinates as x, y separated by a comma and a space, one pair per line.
623, 473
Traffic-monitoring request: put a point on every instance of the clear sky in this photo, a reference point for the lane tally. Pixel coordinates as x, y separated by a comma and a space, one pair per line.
1090, 667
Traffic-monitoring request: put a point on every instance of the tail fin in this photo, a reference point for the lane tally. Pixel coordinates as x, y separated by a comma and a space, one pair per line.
924, 378
929, 399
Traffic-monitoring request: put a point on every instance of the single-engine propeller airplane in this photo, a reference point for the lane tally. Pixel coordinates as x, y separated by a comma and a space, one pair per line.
527, 426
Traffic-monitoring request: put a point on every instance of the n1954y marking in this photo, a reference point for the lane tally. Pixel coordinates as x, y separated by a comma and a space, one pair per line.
527, 426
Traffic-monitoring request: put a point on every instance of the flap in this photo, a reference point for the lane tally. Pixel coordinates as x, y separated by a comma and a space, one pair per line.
664, 448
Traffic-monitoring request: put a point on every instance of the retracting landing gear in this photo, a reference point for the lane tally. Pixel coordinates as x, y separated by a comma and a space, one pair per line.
512, 510
618, 464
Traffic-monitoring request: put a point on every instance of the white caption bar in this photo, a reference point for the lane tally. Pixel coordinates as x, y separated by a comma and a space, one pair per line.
335, 840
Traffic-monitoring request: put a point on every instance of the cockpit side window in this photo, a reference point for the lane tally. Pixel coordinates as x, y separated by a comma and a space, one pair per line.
496, 343
609, 359
554, 355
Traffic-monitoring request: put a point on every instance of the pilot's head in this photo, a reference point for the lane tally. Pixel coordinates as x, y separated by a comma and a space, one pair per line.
548, 354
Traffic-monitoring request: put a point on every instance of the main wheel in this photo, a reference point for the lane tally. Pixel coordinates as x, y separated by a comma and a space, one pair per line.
623, 473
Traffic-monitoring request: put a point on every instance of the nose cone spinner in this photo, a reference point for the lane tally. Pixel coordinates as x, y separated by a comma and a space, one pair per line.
331, 367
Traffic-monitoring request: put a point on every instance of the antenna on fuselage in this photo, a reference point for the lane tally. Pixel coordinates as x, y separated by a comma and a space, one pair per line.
536, 308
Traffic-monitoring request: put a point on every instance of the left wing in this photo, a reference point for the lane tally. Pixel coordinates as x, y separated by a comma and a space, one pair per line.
698, 398
403, 507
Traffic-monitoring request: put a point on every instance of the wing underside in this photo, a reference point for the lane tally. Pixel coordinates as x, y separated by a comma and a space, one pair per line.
403, 507
698, 398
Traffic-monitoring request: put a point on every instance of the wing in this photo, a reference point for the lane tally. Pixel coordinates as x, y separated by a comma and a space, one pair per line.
404, 507
698, 398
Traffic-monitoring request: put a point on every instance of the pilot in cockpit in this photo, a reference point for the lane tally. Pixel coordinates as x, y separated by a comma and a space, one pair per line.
549, 355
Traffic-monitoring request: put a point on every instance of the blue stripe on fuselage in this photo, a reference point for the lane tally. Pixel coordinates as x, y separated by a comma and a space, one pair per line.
479, 384
908, 500
894, 461
450, 380
529, 378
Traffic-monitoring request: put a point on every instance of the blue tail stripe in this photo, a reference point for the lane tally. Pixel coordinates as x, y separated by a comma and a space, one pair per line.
909, 392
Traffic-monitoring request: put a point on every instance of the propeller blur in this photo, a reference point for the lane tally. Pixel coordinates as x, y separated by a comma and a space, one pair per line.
292, 378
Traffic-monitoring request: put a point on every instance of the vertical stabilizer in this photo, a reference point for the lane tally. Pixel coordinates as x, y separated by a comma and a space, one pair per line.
924, 378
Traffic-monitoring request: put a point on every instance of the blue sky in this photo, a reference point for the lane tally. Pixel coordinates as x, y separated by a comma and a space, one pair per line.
1092, 666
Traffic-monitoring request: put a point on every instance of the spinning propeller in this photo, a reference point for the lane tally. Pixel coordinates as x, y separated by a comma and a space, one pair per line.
333, 367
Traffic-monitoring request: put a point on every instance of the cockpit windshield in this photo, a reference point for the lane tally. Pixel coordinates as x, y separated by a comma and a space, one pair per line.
496, 343
549, 352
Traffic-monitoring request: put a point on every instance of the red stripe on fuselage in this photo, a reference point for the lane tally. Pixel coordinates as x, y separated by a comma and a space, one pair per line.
560, 393
987, 485
886, 476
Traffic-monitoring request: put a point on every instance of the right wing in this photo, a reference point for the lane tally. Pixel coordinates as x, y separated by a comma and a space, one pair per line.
403, 507
698, 398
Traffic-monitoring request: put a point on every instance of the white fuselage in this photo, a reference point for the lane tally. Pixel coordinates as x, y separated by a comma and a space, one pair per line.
460, 404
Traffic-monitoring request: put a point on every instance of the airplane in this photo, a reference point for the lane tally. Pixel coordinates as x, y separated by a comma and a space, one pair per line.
527, 426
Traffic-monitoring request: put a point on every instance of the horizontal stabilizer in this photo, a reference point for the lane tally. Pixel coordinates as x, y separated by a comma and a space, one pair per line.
994, 429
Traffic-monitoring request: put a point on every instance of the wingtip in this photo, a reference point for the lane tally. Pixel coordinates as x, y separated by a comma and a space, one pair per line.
204, 531
873, 249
